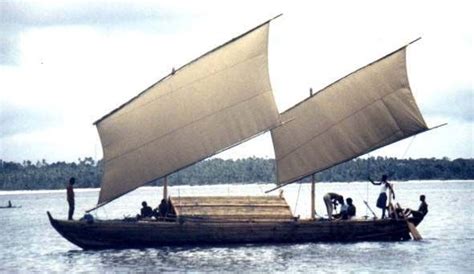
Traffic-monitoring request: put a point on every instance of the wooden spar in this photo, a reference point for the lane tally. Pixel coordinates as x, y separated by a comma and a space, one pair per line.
165, 187
414, 232
313, 183
313, 206
390, 193
373, 213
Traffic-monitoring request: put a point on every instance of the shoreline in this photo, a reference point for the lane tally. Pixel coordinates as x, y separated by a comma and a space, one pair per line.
39, 191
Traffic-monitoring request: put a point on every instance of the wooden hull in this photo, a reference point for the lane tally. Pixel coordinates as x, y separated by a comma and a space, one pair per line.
121, 234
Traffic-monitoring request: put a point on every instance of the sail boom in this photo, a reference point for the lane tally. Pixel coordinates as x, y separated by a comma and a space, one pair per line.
311, 173
338, 163
99, 205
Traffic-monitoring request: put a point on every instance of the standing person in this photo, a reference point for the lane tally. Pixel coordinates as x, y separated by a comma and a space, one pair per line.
70, 197
331, 199
382, 200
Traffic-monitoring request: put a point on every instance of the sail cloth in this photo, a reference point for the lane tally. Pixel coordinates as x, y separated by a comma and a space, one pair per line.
366, 110
216, 101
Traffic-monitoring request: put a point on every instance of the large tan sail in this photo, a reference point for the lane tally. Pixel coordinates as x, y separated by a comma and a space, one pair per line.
218, 100
366, 110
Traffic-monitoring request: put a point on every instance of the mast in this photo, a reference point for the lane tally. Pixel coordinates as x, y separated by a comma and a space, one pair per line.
313, 204
313, 182
165, 187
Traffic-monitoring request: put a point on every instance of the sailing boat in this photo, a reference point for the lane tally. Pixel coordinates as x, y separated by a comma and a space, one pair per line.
220, 100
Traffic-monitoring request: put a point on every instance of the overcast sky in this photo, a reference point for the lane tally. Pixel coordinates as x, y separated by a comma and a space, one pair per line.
64, 64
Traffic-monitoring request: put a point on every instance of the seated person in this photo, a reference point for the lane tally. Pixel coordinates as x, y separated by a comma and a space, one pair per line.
146, 211
348, 210
163, 209
422, 209
351, 209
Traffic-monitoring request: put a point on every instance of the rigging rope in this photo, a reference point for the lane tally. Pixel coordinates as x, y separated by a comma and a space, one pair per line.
297, 198
408, 147
359, 194
104, 211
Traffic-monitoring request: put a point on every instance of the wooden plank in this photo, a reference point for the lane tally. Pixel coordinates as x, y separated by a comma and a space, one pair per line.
235, 210
238, 214
234, 219
183, 203
236, 207
414, 232
266, 197
231, 205
230, 199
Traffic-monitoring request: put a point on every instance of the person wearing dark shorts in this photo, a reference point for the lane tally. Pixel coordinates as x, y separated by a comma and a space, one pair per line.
382, 199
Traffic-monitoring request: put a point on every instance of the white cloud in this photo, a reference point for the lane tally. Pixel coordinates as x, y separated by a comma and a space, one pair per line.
53, 144
81, 68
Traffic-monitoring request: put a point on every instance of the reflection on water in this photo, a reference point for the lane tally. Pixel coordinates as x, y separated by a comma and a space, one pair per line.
28, 243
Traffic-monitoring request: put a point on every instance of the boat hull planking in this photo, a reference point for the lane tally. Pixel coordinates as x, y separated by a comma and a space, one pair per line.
121, 234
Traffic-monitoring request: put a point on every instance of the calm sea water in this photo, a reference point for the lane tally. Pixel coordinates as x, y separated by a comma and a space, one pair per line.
29, 243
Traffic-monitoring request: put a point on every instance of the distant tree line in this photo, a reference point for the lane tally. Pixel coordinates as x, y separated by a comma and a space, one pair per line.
43, 175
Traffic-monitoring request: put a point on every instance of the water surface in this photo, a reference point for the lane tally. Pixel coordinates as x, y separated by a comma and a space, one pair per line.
29, 243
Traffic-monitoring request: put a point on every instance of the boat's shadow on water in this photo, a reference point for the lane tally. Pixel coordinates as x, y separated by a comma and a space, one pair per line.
234, 257
183, 258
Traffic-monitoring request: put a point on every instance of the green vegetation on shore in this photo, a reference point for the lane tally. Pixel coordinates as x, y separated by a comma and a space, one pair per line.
43, 175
